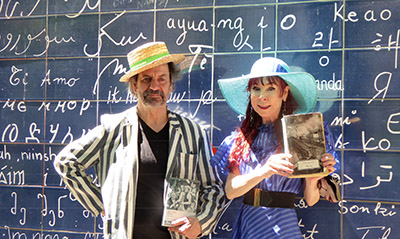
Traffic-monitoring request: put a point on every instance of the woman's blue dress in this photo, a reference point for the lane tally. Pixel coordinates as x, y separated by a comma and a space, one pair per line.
263, 222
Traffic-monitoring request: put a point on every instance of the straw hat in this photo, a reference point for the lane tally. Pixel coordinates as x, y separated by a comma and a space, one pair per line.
302, 85
147, 56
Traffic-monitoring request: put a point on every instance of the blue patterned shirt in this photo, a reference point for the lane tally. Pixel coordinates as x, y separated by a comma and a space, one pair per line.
264, 222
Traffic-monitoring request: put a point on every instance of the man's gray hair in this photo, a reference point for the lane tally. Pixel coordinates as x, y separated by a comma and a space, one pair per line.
173, 75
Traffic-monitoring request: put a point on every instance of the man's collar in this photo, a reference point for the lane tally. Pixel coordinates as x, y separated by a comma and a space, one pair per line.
131, 117
173, 119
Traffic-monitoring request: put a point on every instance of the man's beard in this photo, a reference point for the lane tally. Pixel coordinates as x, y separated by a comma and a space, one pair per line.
153, 101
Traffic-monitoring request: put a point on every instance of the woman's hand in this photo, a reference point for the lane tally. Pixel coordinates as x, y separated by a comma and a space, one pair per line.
278, 164
328, 161
311, 190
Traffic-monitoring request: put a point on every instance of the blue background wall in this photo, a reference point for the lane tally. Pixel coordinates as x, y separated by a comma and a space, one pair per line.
60, 62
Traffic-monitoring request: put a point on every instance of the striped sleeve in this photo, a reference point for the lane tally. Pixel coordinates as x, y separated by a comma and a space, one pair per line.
72, 162
212, 196
220, 161
211, 191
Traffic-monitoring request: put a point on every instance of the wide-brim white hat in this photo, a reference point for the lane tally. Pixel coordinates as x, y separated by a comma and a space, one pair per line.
147, 56
302, 85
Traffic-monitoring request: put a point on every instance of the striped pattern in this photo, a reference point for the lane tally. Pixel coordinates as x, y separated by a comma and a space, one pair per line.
264, 222
112, 149
269, 223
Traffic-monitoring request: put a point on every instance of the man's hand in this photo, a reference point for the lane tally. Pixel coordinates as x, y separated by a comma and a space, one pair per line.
186, 226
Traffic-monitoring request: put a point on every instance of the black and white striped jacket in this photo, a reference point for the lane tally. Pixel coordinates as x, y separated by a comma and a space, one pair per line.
111, 148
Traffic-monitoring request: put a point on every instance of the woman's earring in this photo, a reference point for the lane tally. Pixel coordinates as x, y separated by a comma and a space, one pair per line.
251, 117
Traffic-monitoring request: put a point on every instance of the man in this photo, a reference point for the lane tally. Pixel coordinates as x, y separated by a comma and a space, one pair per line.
135, 151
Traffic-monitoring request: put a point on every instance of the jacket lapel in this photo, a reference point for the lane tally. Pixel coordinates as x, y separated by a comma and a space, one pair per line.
129, 171
175, 135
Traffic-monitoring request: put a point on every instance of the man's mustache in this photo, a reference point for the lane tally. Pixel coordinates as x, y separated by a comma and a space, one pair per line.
152, 92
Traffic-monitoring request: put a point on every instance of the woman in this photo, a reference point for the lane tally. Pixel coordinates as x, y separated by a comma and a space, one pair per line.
251, 160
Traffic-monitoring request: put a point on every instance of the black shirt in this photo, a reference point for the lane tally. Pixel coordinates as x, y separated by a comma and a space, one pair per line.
149, 199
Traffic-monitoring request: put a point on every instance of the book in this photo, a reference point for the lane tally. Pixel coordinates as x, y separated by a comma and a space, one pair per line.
181, 199
304, 138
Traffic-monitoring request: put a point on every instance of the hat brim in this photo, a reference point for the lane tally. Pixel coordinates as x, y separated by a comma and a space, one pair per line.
175, 58
302, 87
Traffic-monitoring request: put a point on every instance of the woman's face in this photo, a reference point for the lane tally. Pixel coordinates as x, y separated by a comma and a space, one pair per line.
266, 99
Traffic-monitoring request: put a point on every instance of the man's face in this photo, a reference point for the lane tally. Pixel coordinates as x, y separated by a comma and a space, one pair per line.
153, 86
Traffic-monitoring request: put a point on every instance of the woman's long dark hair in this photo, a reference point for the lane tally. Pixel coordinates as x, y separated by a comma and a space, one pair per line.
249, 128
